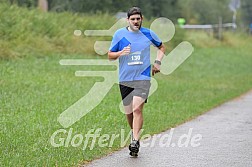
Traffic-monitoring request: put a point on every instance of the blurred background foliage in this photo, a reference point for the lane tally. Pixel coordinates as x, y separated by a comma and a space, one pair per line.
195, 11
25, 30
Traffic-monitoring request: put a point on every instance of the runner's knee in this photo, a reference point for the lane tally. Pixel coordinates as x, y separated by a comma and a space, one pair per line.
137, 110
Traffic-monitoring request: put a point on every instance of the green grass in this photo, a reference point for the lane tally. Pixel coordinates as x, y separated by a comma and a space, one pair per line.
32, 32
35, 88
24, 32
34, 91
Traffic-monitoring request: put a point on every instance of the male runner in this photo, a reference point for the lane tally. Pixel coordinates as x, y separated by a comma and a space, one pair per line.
131, 45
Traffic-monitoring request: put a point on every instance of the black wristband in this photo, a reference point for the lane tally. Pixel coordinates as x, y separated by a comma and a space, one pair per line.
157, 62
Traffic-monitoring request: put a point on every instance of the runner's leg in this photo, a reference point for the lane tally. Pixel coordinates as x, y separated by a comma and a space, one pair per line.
138, 103
129, 114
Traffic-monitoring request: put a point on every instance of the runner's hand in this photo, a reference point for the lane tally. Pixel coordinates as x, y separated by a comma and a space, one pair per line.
126, 50
155, 69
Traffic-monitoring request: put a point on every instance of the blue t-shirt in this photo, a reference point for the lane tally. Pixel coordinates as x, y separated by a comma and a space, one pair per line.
136, 65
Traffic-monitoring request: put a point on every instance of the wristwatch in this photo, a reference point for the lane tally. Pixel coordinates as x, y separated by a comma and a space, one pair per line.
157, 62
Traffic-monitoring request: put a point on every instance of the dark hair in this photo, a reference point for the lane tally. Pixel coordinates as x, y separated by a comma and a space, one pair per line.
133, 11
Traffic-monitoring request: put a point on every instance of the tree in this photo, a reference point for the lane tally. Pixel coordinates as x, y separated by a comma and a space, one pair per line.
43, 5
246, 10
205, 11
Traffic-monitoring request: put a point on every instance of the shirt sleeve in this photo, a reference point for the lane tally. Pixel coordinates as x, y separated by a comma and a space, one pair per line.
155, 39
114, 47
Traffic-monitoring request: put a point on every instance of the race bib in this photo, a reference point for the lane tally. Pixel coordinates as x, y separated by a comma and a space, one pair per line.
135, 58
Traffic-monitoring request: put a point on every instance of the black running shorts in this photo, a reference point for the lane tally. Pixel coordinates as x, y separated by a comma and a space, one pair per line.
134, 88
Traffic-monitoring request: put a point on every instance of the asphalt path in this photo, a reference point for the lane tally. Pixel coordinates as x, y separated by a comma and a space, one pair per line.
221, 137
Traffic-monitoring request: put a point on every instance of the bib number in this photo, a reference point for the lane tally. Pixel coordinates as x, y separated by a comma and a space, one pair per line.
135, 59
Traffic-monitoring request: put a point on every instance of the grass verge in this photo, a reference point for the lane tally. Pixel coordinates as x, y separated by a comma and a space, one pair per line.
34, 91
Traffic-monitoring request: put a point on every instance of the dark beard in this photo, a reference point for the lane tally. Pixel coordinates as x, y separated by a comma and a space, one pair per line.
140, 25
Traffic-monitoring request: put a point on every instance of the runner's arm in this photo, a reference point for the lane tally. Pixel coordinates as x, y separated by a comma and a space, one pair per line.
115, 55
157, 63
160, 53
